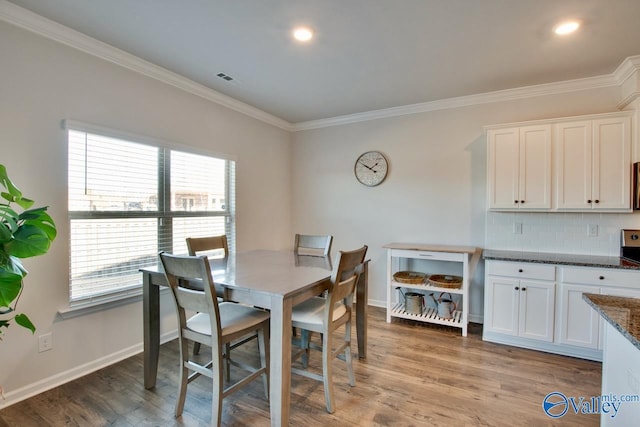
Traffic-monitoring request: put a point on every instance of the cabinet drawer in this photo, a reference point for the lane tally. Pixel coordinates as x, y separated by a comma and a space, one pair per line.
600, 276
437, 256
522, 270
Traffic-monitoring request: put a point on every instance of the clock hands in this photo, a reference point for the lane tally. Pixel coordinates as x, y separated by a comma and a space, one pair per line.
369, 167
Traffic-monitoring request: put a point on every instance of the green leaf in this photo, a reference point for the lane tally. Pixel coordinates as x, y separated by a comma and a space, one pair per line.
29, 240
41, 219
8, 184
23, 320
9, 217
10, 286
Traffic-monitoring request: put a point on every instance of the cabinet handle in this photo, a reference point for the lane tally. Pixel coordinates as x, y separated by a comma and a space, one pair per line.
601, 277
517, 288
520, 270
522, 201
597, 201
524, 289
515, 201
589, 201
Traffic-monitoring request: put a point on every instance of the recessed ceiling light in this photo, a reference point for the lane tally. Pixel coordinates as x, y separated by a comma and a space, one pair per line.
303, 34
567, 27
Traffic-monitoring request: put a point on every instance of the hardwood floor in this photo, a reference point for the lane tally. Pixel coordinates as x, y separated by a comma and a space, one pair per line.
415, 375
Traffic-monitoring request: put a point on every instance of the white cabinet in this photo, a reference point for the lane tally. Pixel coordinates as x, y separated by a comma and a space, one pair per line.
520, 168
403, 257
593, 159
578, 323
516, 304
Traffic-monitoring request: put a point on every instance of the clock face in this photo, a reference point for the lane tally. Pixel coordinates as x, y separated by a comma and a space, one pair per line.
371, 168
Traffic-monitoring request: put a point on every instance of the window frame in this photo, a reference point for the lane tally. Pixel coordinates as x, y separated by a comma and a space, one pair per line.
163, 214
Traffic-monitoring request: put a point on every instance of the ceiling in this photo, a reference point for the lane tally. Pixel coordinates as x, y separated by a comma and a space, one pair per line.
367, 54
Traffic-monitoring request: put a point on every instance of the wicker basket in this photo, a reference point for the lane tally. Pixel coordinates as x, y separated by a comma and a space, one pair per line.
445, 281
410, 277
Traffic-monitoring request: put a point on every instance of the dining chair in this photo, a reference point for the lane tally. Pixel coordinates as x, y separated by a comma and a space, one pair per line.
215, 247
326, 315
214, 325
313, 245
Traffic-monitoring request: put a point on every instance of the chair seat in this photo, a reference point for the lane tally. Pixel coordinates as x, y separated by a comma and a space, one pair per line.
309, 313
233, 318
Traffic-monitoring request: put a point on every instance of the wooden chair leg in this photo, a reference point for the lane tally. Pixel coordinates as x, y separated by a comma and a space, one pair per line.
218, 388
347, 354
184, 377
327, 372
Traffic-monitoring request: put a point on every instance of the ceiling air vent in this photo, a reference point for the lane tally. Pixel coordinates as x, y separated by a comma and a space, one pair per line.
223, 76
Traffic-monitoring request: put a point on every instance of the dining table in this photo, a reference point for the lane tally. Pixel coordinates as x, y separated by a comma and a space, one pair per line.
270, 279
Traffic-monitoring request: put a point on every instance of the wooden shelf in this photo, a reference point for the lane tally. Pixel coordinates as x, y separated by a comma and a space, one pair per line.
428, 315
403, 253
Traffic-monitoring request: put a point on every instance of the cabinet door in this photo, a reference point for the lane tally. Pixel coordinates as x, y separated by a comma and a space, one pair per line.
535, 167
503, 168
579, 322
536, 310
573, 148
501, 305
612, 163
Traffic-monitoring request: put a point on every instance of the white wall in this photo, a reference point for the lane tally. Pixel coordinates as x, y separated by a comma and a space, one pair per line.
42, 83
435, 190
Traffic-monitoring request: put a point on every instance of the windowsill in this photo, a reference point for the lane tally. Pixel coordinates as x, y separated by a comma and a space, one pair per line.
82, 308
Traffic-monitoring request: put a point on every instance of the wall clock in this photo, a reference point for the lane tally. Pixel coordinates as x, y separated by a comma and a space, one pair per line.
371, 168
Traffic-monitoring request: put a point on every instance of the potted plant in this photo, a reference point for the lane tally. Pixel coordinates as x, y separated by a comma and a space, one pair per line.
22, 235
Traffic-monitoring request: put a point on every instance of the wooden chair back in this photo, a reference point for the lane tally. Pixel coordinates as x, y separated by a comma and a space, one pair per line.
344, 277
180, 269
198, 245
313, 245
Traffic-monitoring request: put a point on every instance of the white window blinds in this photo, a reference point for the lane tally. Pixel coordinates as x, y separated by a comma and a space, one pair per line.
129, 200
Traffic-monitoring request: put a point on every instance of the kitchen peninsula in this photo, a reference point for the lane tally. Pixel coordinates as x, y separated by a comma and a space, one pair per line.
621, 359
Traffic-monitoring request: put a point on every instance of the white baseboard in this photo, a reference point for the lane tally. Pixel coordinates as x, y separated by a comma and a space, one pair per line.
30, 390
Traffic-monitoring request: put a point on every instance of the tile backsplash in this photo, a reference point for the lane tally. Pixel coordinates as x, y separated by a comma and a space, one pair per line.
565, 232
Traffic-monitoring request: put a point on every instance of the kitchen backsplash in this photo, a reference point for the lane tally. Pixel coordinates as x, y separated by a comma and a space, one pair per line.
575, 233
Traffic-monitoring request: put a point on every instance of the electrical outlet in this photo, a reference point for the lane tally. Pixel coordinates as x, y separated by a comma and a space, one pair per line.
45, 342
517, 228
592, 230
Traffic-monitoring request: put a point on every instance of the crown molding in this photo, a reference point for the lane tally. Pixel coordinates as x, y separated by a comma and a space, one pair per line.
628, 75
466, 101
35, 23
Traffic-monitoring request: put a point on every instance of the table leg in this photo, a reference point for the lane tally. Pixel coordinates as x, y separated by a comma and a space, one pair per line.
150, 329
362, 298
280, 362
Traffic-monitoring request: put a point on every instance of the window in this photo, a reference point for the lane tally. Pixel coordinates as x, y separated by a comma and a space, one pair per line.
130, 198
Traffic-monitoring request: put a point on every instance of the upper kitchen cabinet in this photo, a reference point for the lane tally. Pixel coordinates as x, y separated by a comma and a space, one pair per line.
591, 158
593, 167
520, 168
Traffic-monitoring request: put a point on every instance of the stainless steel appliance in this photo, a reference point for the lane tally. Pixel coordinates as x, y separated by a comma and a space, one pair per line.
630, 245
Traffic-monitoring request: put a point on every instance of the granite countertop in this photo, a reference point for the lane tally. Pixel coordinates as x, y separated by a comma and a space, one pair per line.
561, 259
621, 312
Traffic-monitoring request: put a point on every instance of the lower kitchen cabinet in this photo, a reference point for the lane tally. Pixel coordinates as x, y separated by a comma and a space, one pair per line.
516, 305
578, 323
525, 307
520, 308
